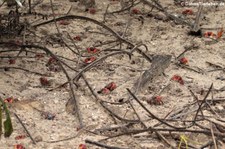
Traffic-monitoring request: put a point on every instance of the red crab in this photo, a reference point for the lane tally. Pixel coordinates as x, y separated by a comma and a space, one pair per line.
188, 12
19, 137
9, 100
104, 91
19, 146
92, 50
51, 60
64, 22
178, 79
39, 55
156, 100
111, 86
209, 34
92, 10
135, 11
108, 88
77, 38
82, 146
89, 60
183, 61
44, 81
12, 61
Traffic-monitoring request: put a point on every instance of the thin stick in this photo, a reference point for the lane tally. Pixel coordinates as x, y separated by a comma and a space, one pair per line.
54, 18
196, 99
125, 9
203, 101
29, 3
69, 138
111, 128
23, 69
206, 132
24, 127
102, 145
105, 14
213, 136
206, 145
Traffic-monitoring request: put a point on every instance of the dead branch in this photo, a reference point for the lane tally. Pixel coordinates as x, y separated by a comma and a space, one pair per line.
151, 114
24, 127
203, 101
102, 145
69, 17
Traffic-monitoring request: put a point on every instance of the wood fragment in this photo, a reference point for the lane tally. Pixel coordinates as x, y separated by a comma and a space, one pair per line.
159, 64
196, 26
213, 137
158, 6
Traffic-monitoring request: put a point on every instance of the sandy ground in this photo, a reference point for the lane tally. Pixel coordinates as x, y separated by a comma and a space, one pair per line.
161, 37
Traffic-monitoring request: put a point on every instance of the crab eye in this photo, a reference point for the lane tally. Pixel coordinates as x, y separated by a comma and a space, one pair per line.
92, 49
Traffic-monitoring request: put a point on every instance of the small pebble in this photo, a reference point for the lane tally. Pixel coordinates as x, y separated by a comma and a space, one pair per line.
38, 138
